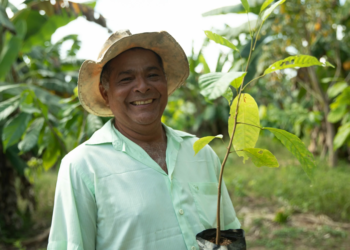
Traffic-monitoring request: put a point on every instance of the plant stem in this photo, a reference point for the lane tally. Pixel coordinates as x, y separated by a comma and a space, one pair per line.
253, 81
222, 172
218, 226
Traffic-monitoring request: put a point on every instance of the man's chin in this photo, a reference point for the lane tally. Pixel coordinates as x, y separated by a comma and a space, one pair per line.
146, 120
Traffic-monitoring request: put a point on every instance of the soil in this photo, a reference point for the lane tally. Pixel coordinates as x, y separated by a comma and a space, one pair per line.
223, 241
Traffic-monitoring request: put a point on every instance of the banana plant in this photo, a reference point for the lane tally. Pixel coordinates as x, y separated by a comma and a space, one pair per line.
38, 107
244, 123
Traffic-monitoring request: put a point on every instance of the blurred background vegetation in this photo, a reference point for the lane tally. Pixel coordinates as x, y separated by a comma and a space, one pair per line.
41, 118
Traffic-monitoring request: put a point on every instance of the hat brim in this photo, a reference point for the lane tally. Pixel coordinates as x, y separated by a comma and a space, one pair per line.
174, 61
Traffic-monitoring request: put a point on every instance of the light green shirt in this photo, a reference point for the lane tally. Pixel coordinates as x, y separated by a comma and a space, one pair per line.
110, 195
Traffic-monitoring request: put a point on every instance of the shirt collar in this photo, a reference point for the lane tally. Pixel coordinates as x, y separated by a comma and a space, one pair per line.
106, 134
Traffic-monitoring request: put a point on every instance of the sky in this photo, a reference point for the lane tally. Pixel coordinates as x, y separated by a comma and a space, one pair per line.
181, 18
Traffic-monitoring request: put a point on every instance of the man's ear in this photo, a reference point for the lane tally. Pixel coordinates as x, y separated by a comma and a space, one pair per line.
104, 94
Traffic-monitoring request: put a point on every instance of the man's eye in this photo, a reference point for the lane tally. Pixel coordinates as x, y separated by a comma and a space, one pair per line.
153, 75
126, 79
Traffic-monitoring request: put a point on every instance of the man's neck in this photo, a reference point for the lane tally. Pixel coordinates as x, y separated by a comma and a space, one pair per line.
141, 135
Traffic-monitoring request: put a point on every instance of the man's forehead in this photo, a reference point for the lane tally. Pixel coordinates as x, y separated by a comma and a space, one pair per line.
127, 60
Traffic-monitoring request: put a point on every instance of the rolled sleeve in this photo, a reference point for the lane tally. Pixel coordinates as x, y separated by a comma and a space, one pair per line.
74, 216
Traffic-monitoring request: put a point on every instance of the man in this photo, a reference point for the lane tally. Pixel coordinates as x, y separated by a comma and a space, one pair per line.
136, 183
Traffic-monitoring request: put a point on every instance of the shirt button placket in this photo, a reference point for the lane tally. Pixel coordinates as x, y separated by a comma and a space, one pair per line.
181, 211
193, 248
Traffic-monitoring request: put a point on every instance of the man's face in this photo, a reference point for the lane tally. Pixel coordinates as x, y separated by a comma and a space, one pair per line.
138, 90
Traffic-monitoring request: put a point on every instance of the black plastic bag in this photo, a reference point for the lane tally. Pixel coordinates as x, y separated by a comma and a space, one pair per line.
235, 235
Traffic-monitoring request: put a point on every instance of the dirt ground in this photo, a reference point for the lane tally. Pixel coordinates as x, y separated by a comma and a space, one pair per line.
274, 226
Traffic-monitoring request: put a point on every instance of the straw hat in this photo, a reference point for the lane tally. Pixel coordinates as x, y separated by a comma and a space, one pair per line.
174, 61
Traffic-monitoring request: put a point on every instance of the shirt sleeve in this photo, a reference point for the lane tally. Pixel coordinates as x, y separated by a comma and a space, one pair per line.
74, 216
228, 212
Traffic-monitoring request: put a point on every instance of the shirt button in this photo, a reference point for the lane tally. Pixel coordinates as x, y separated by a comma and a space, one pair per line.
181, 211
193, 248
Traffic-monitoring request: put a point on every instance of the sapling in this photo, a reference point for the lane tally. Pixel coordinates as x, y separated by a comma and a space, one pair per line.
244, 123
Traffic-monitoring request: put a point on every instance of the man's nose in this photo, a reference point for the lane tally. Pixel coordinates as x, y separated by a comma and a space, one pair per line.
141, 85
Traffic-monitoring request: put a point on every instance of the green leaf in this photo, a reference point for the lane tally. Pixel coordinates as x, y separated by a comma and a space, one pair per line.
44, 109
265, 4
32, 134
213, 85
245, 136
14, 130
297, 148
245, 5
229, 93
9, 55
17, 163
336, 89
337, 114
237, 9
220, 40
262, 157
8, 106
45, 32
294, 61
202, 60
11, 49
93, 123
200, 143
12, 86
341, 136
268, 12
5, 21
52, 152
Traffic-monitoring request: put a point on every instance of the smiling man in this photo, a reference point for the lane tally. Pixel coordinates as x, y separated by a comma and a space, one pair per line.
136, 183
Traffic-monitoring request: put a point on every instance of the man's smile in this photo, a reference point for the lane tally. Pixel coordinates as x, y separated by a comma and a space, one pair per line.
136, 103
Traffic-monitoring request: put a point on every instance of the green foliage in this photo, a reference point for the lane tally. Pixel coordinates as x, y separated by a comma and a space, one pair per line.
248, 127
265, 4
220, 40
5, 21
10, 51
342, 135
268, 12
14, 129
336, 89
34, 77
213, 85
199, 144
32, 135
245, 5
295, 61
340, 109
297, 148
261, 157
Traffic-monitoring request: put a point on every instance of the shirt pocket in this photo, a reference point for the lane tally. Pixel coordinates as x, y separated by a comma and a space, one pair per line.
205, 197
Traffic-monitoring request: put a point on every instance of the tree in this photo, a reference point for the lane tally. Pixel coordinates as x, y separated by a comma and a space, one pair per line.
314, 28
39, 110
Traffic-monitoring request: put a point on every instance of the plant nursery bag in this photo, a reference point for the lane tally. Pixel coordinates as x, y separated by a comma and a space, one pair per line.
232, 239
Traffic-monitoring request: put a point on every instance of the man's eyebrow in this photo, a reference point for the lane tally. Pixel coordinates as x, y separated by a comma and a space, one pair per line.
126, 72
152, 68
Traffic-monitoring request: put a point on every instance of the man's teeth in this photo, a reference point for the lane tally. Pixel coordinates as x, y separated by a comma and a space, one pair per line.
143, 102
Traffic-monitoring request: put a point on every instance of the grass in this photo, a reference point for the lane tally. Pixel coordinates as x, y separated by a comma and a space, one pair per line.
329, 194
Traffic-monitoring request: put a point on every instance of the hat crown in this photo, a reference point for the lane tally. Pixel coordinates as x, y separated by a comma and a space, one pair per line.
112, 39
